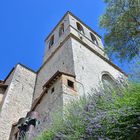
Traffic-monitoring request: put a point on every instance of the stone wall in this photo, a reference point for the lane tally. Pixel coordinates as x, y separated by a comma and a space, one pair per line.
52, 103
48, 106
89, 68
62, 60
18, 99
69, 93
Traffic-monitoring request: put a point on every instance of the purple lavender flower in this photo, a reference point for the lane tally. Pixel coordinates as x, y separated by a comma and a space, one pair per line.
89, 130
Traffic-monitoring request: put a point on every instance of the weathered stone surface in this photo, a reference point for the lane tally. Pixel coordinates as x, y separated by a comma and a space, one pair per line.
52, 103
62, 61
89, 68
49, 104
18, 99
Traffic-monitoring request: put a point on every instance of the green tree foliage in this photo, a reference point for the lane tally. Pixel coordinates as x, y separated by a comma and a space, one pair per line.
122, 23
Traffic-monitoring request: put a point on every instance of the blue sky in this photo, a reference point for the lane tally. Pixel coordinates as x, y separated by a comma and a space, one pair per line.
24, 24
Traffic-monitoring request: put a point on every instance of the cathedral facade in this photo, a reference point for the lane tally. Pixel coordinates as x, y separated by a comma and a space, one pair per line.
74, 63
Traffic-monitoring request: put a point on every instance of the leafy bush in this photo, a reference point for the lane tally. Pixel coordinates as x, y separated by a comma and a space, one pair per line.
102, 115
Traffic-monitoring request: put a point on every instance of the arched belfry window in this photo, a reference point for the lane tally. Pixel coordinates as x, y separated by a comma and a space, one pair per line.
93, 38
80, 28
108, 81
61, 29
51, 42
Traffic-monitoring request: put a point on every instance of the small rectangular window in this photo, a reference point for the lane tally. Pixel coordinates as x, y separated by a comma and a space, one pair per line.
70, 83
52, 90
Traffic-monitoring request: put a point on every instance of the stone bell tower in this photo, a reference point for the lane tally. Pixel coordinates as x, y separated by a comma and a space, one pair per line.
74, 63
73, 47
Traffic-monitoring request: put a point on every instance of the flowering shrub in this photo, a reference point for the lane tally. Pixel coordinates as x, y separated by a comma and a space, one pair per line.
106, 114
